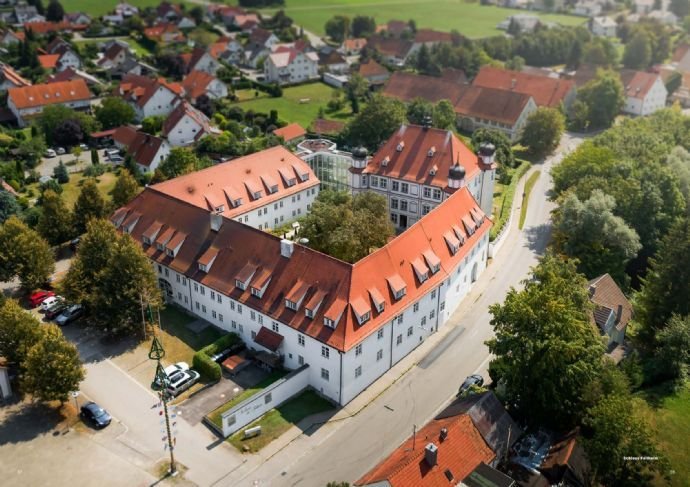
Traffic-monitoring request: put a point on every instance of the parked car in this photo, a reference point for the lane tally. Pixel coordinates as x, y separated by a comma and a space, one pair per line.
55, 310
83, 147
95, 414
182, 380
69, 315
39, 296
117, 159
50, 302
61, 151
472, 380
170, 371
49, 153
112, 153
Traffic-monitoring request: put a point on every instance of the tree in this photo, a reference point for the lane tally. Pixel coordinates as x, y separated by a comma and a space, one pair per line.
24, 254
114, 112
504, 152
90, 204
181, 161
546, 350
153, 124
347, 227
680, 7
678, 162
54, 118
444, 115
424, 62
591, 232
543, 130
39, 6
197, 13
638, 52
19, 331
55, 222
53, 367
575, 55
8, 205
666, 287
338, 27
95, 159
600, 52
376, 122
206, 105
603, 97
673, 351
418, 110
363, 26
54, 12
69, 133
60, 173
126, 188
516, 63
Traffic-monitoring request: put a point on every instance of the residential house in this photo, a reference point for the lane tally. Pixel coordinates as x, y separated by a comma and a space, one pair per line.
185, 125
260, 44
503, 110
60, 56
114, 54
663, 16
546, 91
645, 93
126, 10
24, 13
246, 22
352, 47
419, 167
149, 96
393, 51
198, 83
428, 38
28, 101
374, 73
9, 37
603, 26
9, 78
289, 65
332, 61
201, 59
291, 133
168, 12
521, 23
457, 76
612, 310
186, 23
77, 18
408, 86
588, 8
147, 151
164, 34
45, 28
350, 322
395, 28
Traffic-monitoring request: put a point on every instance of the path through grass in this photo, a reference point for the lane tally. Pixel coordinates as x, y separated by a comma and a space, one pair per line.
525, 196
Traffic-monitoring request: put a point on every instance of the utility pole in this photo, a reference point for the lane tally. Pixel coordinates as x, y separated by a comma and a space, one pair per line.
160, 383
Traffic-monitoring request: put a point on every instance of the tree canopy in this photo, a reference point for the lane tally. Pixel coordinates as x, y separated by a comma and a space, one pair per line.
19, 331
90, 204
55, 222
602, 99
376, 122
24, 254
114, 112
543, 130
126, 188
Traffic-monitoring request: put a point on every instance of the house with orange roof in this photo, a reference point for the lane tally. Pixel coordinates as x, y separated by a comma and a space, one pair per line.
199, 83
164, 33
291, 133
374, 73
645, 93
206, 60
28, 101
149, 96
352, 47
9, 78
43, 28
147, 151
185, 125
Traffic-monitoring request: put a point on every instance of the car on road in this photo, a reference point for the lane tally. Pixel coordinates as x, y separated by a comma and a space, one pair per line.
56, 310
49, 153
39, 296
61, 151
69, 315
472, 380
50, 302
182, 380
95, 414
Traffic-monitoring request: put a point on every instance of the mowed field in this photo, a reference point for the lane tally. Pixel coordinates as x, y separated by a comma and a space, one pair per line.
469, 18
100, 7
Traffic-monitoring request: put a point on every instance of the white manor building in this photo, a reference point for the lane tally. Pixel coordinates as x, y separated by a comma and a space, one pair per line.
350, 323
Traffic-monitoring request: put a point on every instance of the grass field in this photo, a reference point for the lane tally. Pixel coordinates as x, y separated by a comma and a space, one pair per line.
71, 190
289, 107
100, 7
469, 18
503, 198
525, 196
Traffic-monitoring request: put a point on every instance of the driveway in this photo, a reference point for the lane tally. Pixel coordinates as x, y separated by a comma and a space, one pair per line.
48, 164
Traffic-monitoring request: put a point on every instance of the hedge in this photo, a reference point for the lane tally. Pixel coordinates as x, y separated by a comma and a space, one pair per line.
202, 359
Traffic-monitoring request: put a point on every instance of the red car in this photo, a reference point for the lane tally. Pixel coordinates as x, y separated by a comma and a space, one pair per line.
38, 297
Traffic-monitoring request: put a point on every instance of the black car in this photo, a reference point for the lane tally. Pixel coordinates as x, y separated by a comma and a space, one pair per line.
472, 380
69, 315
95, 414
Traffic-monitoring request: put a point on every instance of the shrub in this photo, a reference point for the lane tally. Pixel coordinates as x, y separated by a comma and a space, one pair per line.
205, 366
94, 171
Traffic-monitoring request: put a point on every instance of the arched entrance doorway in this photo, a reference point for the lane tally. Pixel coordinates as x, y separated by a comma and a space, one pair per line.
474, 272
166, 287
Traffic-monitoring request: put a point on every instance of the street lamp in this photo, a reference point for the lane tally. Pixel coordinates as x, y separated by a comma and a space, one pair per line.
160, 384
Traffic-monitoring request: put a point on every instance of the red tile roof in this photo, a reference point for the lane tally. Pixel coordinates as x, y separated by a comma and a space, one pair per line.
156, 32
637, 83
503, 106
12, 76
430, 35
549, 92
389, 46
459, 454
125, 135
49, 94
196, 83
49, 61
408, 86
180, 204
141, 146
140, 89
354, 44
413, 162
268, 339
603, 291
371, 68
46, 27
290, 132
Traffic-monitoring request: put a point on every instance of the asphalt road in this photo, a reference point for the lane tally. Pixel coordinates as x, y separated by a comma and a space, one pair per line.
359, 443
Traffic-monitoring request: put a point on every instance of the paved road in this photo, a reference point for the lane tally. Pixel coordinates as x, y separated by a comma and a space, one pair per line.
347, 450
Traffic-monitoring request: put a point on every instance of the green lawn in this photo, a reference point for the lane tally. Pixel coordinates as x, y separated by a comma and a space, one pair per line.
215, 415
503, 198
100, 7
525, 196
71, 190
469, 18
669, 414
289, 106
277, 421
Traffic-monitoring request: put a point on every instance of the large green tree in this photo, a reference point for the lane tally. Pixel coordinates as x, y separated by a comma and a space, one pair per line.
673, 351
8, 205
114, 112
52, 367
54, 118
638, 52
338, 27
126, 188
591, 232
504, 151
54, 11
55, 222
19, 331
543, 130
363, 26
90, 204
444, 115
182, 160
347, 227
603, 99
546, 350
376, 122
24, 254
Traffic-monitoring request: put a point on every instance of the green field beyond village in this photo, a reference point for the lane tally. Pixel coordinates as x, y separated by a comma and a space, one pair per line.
468, 17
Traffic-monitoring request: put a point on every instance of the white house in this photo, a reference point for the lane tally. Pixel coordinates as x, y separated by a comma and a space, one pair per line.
125, 9
350, 323
645, 93
198, 83
28, 101
185, 125
287, 65
587, 8
418, 168
202, 60
147, 151
603, 26
665, 17
149, 96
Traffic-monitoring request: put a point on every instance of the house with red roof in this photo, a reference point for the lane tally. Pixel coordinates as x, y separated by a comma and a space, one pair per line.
394, 51
374, 73
199, 83
291, 63
149, 96
147, 151
409, 86
164, 33
185, 125
9, 78
352, 47
9, 37
291, 133
28, 102
206, 60
645, 92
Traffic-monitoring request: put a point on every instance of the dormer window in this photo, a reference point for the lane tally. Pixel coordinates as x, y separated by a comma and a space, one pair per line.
314, 303
328, 322
256, 195
146, 240
385, 161
202, 267
244, 276
220, 208
433, 170
401, 146
240, 285
397, 285
420, 270
432, 261
361, 309
432, 151
452, 242
260, 283
237, 202
291, 305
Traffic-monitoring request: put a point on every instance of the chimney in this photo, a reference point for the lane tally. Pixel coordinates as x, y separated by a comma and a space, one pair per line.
444, 434
216, 220
286, 248
431, 454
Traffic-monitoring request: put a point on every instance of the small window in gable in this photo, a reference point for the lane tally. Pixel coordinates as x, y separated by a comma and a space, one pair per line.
400, 146
329, 322
220, 208
291, 305
240, 284
385, 161
146, 240
203, 268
